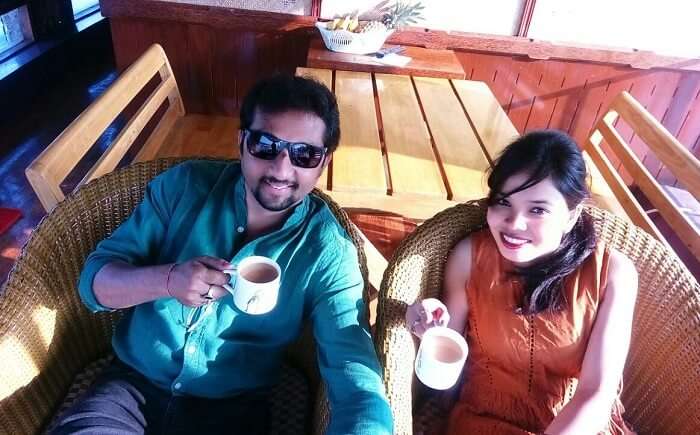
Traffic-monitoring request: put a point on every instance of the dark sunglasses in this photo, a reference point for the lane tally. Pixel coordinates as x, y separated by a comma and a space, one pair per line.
267, 147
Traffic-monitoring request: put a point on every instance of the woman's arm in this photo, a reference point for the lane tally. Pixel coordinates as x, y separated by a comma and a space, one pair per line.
589, 410
419, 315
457, 271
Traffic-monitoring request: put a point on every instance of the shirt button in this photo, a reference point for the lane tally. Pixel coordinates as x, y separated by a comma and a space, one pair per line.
178, 386
191, 349
240, 229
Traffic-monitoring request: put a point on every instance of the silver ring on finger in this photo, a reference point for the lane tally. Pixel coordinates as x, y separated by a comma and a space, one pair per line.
209, 296
414, 324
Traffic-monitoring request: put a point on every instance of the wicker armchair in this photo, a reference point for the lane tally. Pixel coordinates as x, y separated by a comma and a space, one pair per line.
47, 337
661, 379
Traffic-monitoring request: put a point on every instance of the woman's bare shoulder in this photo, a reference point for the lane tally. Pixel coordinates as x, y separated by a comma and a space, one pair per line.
622, 274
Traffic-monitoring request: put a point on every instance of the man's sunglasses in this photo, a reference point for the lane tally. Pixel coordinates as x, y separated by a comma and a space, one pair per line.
267, 147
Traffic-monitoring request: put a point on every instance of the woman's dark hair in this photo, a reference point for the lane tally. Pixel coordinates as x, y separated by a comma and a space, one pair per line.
542, 154
284, 92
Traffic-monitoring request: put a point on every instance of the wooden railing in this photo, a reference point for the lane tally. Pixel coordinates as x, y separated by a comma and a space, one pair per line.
669, 151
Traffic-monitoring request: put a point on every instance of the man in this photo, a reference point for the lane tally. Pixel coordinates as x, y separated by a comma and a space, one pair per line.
183, 368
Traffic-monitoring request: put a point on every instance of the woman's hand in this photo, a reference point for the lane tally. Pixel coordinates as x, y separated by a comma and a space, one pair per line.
424, 314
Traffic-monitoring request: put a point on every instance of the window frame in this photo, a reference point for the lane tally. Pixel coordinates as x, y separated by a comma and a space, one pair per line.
50, 27
28, 39
86, 12
10, 5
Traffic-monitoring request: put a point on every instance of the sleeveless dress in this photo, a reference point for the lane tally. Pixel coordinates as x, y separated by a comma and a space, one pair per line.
522, 369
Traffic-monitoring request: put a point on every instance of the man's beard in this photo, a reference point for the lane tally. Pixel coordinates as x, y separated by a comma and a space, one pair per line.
275, 204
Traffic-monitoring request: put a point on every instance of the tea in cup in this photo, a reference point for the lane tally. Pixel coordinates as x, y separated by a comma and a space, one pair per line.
441, 356
255, 284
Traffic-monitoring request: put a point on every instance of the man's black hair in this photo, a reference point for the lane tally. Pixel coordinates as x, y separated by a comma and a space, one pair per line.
284, 92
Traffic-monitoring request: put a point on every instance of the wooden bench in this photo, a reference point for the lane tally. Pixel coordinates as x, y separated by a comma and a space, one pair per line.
676, 158
176, 133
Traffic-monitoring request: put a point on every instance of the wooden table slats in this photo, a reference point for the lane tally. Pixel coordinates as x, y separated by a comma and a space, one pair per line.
422, 138
487, 117
410, 156
358, 164
324, 76
458, 146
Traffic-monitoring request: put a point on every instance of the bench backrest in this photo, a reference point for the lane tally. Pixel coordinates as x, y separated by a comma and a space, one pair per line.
670, 152
53, 165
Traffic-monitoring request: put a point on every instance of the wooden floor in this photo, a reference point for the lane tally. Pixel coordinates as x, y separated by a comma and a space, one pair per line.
202, 135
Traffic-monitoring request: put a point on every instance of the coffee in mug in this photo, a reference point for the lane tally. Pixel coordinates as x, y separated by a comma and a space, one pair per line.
254, 284
444, 350
441, 356
259, 273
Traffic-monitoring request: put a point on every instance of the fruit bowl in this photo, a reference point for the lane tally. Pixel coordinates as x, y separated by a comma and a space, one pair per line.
345, 41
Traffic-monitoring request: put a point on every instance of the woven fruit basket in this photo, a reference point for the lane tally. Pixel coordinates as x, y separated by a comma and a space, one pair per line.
345, 41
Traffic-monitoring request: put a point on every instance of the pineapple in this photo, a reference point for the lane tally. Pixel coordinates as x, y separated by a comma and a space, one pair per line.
399, 14
372, 26
402, 13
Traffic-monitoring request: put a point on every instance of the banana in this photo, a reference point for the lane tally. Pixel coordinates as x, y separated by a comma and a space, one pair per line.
333, 25
354, 24
344, 24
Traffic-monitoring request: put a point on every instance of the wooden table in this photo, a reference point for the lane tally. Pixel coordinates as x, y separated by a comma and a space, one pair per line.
424, 62
416, 145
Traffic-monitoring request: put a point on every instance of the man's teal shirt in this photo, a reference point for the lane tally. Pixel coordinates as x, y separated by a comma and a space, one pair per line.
198, 208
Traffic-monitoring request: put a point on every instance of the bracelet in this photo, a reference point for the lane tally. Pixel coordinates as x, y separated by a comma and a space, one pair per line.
167, 279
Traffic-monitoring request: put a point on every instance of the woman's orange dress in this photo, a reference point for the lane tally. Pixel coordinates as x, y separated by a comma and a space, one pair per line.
523, 369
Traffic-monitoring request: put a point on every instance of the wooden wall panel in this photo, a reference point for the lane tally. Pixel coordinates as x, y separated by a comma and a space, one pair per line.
214, 67
232, 53
690, 131
241, 58
684, 114
573, 95
188, 47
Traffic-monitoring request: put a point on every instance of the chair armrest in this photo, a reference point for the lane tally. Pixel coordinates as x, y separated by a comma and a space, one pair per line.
415, 272
46, 335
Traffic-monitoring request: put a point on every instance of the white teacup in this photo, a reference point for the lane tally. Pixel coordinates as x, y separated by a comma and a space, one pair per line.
255, 284
441, 357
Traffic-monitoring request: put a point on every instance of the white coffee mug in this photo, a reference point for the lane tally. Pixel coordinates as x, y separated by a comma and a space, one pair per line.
254, 284
441, 356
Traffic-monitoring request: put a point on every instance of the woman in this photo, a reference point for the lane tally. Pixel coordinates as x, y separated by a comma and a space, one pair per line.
545, 308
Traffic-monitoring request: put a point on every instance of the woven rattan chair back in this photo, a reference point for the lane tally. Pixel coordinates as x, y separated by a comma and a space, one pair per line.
661, 378
47, 336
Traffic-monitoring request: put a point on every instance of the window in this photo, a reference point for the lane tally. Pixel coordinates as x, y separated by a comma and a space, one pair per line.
668, 27
84, 7
15, 30
499, 17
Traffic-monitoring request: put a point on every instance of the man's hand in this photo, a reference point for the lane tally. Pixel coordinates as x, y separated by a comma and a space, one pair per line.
198, 281
193, 283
